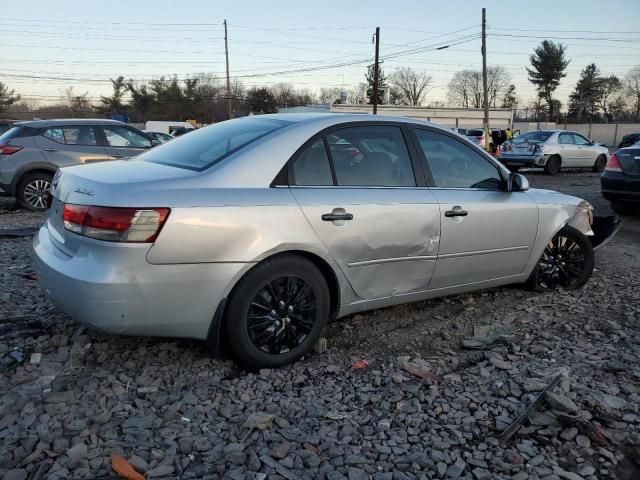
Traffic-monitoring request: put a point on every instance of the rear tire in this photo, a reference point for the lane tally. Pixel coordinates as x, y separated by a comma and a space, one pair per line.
553, 166
599, 164
567, 262
277, 312
31, 189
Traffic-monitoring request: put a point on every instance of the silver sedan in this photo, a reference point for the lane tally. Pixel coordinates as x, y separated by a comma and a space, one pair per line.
259, 230
553, 150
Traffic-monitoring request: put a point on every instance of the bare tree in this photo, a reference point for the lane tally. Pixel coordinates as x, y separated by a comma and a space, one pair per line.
498, 80
78, 104
355, 94
329, 95
465, 89
411, 86
284, 94
632, 87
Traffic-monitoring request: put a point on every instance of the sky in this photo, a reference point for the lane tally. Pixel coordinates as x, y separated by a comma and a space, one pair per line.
53, 45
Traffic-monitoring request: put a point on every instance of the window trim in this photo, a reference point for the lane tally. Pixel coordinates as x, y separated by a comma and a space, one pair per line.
106, 142
418, 172
97, 131
484, 155
583, 137
569, 134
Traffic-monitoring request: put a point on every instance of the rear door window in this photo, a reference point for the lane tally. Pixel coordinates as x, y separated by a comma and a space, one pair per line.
371, 155
312, 168
81, 135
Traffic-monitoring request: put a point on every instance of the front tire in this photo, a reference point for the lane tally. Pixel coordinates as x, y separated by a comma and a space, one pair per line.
32, 189
277, 312
599, 164
553, 166
567, 262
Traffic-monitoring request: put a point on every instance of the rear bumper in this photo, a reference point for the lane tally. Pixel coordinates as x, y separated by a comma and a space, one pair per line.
619, 187
112, 288
524, 160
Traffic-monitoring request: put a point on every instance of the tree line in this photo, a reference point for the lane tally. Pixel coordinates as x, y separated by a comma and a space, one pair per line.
596, 97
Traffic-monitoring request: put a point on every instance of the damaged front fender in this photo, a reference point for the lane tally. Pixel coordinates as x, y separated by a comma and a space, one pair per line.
583, 218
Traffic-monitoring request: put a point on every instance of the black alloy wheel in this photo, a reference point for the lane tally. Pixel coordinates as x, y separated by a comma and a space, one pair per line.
567, 262
277, 311
282, 314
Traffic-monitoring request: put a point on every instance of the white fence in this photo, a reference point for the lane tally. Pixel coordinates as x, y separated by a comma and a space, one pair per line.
608, 133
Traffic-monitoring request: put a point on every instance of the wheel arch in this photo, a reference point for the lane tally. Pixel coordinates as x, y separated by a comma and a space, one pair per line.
27, 169
215, 341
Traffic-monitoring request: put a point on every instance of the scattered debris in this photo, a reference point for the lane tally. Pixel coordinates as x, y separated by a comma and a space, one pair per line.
35, 358
517, 423
360, 364
124, 469
421, 372
489, 337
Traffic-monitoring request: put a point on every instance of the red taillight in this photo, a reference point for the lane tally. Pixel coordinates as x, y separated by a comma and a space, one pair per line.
115, 224
613, 164
9, 149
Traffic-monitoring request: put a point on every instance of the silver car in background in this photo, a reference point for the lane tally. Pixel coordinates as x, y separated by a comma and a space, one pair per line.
31, 152
553, 150
257, 231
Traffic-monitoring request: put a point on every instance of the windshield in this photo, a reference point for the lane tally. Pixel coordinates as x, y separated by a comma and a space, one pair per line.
537, 136
207, 146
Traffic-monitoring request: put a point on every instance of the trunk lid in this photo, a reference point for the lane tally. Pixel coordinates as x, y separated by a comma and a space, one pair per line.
629, 159
125, 183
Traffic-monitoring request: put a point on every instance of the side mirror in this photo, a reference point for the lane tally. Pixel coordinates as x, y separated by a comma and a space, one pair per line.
154, 143
517, 183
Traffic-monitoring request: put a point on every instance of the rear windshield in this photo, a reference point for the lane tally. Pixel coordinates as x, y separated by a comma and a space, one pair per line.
474, 132
207, 146
15, 132
537, 136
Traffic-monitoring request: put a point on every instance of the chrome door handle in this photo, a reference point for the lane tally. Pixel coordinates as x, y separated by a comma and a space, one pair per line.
50, 149
117, 155
456, 213
332, 217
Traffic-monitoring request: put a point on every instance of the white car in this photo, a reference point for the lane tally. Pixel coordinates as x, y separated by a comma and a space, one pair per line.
553, 150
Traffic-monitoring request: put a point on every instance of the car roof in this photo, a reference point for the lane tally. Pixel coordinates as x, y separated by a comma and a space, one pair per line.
68, 121
338, 118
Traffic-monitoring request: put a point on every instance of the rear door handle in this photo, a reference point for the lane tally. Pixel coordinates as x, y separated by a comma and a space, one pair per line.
117, 155
456, 213
332, 217
50, 149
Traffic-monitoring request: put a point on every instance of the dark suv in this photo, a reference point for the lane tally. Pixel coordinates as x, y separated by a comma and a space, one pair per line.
31, 152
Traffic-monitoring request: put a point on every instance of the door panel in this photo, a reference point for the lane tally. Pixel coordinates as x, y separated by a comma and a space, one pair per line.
493, 240
568, 149
485, 232
586, 154
390, 245
64, 155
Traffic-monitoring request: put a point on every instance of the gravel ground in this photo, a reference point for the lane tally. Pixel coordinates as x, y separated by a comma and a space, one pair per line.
423, 407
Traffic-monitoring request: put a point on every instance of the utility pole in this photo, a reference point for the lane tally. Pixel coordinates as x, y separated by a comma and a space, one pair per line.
376, 69
485, 123
226, 54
